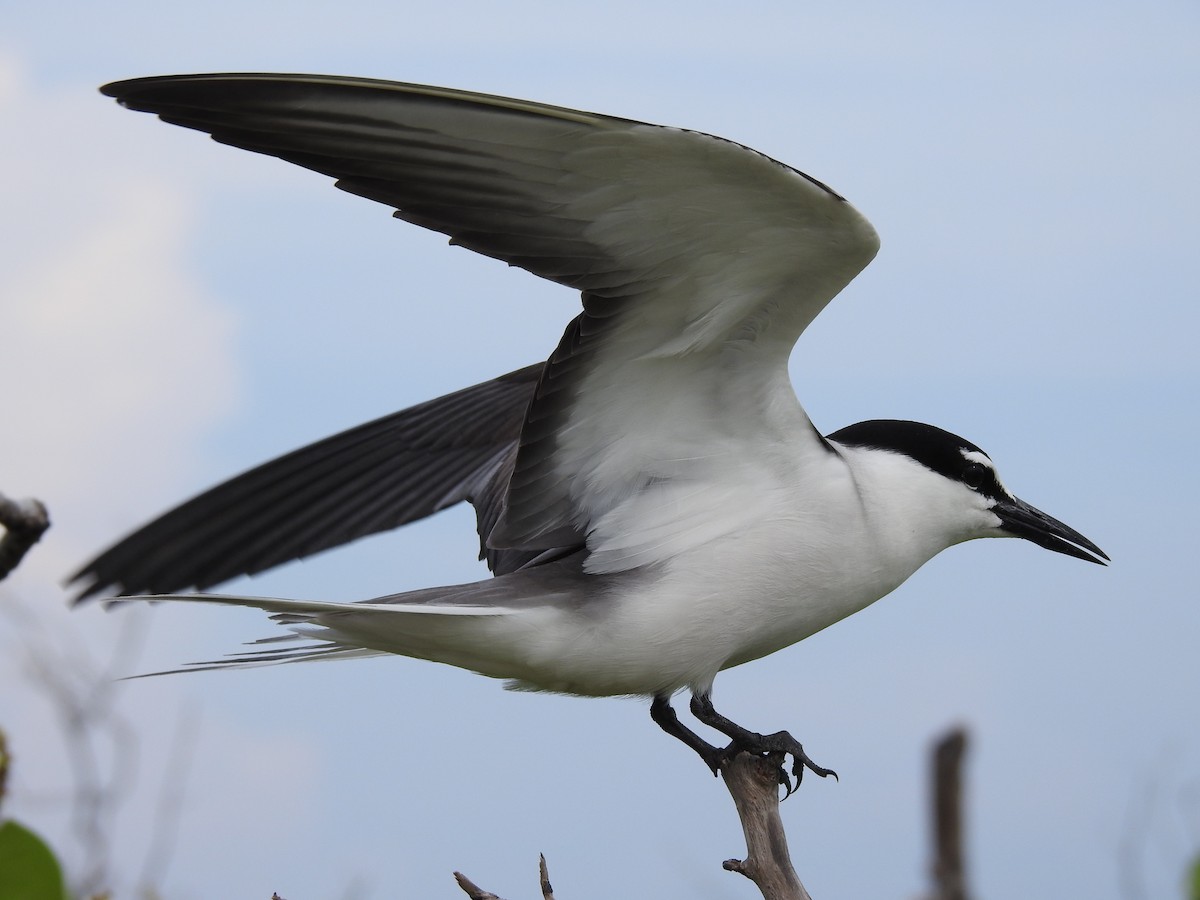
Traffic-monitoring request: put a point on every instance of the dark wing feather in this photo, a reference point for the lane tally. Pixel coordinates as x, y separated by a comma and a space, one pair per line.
368, 479
685, 247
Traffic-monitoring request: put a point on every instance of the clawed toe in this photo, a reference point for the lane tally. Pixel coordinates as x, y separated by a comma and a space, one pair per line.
777, 746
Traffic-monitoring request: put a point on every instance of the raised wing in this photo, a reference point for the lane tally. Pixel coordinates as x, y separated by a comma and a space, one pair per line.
371, 478
700, 262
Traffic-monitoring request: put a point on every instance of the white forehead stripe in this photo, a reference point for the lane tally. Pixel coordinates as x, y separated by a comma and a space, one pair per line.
977, 456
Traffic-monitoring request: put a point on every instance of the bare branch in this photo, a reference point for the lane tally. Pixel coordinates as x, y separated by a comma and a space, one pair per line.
475, 892
948, 870
101, 744
544, 877
24, 522
753, 781
472, 890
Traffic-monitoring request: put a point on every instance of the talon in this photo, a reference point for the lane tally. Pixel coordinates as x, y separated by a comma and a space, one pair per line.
777, 745
788, 789
800, 762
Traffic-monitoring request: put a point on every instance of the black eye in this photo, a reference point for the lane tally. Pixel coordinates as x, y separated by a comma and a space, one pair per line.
974, 475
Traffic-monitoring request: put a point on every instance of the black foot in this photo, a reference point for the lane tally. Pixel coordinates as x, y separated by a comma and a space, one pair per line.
781, 743
777, 745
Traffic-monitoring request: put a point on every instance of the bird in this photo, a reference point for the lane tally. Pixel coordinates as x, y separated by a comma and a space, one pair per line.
653, 502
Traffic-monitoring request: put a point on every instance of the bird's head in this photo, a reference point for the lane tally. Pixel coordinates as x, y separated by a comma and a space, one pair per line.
955, 481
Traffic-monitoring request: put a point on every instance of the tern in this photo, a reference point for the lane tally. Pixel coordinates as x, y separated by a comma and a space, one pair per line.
652, 500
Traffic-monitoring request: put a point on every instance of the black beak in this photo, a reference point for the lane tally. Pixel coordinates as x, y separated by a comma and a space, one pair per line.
1021, 520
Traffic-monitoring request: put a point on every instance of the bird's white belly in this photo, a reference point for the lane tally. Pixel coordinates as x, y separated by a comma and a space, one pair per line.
718, 606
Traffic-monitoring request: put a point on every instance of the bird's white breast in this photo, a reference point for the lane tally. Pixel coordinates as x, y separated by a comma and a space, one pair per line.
805, 559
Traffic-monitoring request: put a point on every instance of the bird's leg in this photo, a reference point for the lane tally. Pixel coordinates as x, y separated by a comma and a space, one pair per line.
663, 714
780, 742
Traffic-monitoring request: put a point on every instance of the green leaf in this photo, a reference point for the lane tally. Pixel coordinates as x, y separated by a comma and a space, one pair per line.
28, 869
1194, 880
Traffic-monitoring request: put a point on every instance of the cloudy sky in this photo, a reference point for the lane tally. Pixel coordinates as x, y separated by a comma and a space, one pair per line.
173, 311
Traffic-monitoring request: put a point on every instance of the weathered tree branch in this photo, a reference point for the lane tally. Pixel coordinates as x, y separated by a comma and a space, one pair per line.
753, 782
472, 890
24, 523
475, 892
948, 871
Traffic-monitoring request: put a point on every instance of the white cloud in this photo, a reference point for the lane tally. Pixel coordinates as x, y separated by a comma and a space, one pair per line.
106, 337
103, 323
112, 334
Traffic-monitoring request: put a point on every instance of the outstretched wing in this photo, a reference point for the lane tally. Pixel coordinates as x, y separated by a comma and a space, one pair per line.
700, 261
371, 478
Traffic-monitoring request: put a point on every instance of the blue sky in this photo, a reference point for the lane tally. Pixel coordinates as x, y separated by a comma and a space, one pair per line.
173, 312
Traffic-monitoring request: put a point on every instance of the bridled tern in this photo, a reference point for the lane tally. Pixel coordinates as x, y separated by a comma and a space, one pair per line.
653, 502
